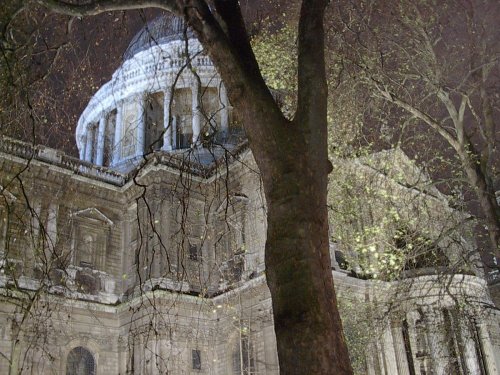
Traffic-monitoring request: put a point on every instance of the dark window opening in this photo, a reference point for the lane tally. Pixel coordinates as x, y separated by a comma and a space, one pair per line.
182, 118
454, 342
183, 140
109, 138
479, 347
153, 113
409, 354
80, 362
194, 252
341, 260
234, 270
421, 338
196, 357
93, 134
421, 252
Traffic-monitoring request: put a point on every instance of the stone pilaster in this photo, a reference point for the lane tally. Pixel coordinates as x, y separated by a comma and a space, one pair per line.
469, 349
399, 349
270, 355
52, 226
389, 353
35, 225
436, 340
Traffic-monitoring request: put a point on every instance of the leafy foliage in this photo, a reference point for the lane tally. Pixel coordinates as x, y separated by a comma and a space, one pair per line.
276, 53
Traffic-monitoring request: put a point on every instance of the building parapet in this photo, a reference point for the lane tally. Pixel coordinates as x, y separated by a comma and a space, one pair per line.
202, 163
57, 158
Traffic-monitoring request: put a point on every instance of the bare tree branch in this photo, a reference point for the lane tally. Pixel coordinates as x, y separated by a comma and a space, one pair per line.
97, 7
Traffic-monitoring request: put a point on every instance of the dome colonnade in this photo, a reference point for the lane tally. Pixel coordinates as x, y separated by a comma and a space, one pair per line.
158, 99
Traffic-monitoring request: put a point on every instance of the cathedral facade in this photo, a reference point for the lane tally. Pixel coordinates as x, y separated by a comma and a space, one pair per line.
145, 255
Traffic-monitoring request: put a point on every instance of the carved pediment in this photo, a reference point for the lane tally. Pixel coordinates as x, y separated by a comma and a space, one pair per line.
92, 214
90, 238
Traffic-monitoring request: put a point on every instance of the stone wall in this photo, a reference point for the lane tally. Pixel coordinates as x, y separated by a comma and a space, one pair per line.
166, 272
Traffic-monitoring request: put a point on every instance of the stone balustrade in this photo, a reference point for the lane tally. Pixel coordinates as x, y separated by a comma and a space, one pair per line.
199, 162
38, 152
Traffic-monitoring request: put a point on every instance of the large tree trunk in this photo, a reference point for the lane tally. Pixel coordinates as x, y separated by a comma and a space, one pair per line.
293, 161
307, 323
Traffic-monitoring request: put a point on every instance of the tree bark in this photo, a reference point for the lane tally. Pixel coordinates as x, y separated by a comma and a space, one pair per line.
307, 322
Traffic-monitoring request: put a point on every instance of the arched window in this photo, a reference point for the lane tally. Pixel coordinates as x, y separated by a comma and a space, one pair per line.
80, 362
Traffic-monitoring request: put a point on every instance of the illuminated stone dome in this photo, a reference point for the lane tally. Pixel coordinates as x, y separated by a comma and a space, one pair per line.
159, 31
166, 96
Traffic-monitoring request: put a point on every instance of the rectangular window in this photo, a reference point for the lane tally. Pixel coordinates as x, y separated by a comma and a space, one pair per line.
196, 356
194, 252
130, 121
109, 138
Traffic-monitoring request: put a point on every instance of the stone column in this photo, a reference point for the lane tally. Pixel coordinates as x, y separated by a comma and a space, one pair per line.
168, 124
118, 133
411, 319
270, 354
141, 124
333, 259
224, 111
434, 328
370, 360
89, 144
469, 348
487, 349
389, 353
399, 349
196, 112
52, 225
101, 132
83, 141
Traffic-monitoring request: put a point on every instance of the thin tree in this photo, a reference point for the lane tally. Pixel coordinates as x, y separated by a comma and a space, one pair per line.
293, 160
434, 64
